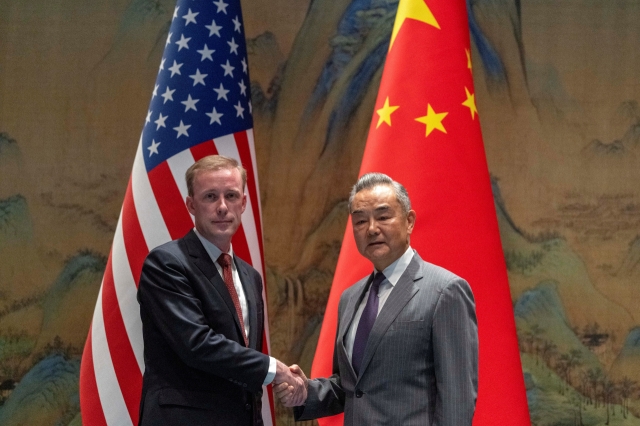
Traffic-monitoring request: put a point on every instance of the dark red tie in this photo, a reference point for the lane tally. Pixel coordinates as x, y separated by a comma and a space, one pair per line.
225, 261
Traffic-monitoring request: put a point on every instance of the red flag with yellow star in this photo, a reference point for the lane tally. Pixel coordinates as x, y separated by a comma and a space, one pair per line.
425, 133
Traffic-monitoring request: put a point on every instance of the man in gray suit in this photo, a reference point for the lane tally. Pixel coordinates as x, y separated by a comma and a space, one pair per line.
406, 351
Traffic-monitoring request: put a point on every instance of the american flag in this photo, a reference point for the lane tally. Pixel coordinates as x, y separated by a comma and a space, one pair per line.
200, 106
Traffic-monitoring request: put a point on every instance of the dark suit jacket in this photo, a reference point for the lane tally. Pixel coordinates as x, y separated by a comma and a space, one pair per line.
420, 366
198, 370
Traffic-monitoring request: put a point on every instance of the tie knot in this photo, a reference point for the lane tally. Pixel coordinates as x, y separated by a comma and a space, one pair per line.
224, 260
377, 280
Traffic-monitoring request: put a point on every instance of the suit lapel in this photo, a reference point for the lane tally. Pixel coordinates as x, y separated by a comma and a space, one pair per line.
252, 303
349, 313
203, 261
403, 291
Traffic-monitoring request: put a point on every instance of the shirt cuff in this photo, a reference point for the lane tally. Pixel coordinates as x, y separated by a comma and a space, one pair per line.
272, 372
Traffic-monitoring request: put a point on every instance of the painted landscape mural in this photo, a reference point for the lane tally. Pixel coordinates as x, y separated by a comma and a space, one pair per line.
558, 98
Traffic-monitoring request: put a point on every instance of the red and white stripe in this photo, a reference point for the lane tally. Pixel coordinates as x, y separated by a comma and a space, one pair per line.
154, 212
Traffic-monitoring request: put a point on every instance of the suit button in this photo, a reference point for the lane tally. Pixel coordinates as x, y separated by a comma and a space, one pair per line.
247, 407
359, 393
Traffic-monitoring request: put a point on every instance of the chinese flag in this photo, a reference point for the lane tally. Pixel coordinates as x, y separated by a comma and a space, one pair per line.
425, 133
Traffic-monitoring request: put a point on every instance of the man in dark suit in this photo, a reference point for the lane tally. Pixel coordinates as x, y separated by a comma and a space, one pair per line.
203, 315
406, 351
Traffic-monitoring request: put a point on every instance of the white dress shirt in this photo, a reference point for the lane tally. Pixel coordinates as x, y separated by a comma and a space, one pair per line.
392, 274
214, 253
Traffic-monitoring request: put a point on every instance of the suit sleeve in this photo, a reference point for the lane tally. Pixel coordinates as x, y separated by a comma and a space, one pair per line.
166, 295
325, 396
455, 346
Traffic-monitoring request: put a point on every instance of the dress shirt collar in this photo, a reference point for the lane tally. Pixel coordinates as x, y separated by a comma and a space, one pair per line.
213, 251
394, 271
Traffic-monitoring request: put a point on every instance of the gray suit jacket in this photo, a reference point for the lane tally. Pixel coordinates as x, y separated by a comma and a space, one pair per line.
420, 366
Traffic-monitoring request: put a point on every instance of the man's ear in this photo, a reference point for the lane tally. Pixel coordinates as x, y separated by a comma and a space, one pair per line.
189, 202
411, 219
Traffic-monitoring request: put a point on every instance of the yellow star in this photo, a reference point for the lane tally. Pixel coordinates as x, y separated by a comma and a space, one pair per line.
433, 120
471, 103
414, 9
385, 113
468, 59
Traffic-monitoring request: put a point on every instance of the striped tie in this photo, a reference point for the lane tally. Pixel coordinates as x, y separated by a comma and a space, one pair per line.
225, 261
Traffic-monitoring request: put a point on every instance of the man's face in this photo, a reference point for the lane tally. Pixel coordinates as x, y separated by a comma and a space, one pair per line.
217, 204
380, 228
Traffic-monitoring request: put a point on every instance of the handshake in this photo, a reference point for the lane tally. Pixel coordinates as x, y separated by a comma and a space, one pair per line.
290, 385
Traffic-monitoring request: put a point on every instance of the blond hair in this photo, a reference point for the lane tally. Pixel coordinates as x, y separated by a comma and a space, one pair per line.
213, 163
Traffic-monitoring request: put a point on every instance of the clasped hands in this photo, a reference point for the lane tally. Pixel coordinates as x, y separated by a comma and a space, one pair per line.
290, 385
